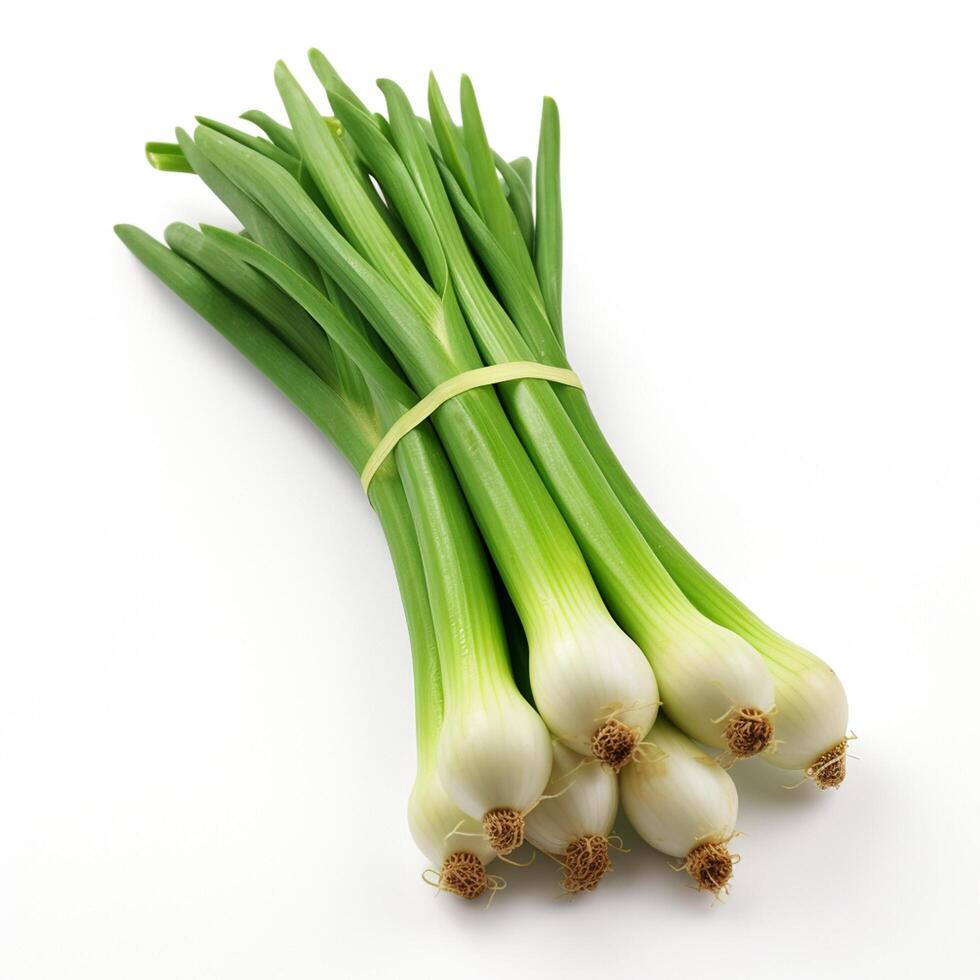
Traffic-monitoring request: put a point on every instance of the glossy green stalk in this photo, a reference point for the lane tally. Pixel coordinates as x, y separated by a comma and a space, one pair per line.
518, 200
450, 142
707, 675
331, 80
494, 749
289, 320
257, 223
522, 167
266, 147
548, 220
811, 717
310, 393
530, 542
424, 329
290, 163
449, 839
493, 204
281, 135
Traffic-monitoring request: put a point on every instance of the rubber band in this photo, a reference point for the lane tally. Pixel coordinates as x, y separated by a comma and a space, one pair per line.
442, 393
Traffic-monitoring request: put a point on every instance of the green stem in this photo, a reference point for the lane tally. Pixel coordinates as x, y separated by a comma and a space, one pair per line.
389, 501
548, 223
462, 626
528, 537
473, 650
316, 399
631, 579
168, 157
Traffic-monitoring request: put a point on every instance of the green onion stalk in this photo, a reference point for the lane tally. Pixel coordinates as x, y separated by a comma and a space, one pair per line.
593, 686
712, 682
810, 721
475, 667
476, 735
443, 198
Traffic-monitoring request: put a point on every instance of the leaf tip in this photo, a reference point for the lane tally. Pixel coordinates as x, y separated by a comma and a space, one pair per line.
175, 228
282, 74
214, 232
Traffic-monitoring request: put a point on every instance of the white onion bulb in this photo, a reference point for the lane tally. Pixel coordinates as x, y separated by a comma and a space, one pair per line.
682, 802
575, 817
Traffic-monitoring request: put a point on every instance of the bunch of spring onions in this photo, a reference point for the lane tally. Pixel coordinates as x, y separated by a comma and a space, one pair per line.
376, 260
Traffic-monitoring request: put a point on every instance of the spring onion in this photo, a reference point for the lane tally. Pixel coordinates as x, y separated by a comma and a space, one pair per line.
493, 750
810, 723
682, 802
550, 612
596, 690
711, 681
574, 819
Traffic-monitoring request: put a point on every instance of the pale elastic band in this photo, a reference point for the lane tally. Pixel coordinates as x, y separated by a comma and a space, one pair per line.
478, 378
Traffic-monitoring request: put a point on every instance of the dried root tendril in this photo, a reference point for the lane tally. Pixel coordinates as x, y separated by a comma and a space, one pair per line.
614, 744
585, 861
829, 769
518, 864
504, 828
463, 874
710, 866
748, 732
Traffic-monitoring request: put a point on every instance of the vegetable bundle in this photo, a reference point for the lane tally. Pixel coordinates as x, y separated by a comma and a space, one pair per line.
400, 282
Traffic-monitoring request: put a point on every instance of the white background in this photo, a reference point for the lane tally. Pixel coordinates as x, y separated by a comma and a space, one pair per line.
772, 254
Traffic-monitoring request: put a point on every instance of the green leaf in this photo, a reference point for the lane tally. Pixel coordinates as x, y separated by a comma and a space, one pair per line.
493, 332
522, 167
354, 206
255, 220
256, 341
168, 157
449, 141
519, 199
281, 135
523, 305
289, 320
493, 206
548, 227
285, 201
333, 322
268, 149
331, 80
396, 181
